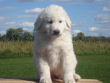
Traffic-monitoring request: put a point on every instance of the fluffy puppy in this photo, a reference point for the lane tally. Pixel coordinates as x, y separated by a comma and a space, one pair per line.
53, 48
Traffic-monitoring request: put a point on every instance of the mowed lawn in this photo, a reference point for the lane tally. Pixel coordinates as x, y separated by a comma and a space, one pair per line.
91, 67
93, 60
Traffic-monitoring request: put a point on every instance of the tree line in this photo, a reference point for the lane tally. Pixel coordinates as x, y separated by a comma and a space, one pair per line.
16, 35
21, 35
81, 37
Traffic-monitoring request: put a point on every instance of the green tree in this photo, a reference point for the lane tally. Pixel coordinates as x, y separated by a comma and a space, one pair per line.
20, 30
12, 34
0, 36
80, 36
3, 38
27, 36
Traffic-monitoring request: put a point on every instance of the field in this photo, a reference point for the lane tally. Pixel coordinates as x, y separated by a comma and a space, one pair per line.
93, 58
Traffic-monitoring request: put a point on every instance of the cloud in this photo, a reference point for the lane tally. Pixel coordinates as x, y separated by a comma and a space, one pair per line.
35, 10
25, 29
28, 29
78, 1
106, 9
97, 29
74, 24
26, 0
27, 24
94, 29
6, 25
2, 0
1, 18
10, 23
17, 24
61, 0
106, 3
102, 19
2, 32
76, 31
7, 8
25, 16
29, 0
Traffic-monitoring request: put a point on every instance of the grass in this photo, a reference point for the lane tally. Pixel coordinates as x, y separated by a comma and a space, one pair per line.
17, 67
94, 67
93, 60
89, 67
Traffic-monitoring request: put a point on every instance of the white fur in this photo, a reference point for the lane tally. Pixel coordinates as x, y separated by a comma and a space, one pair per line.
53, 54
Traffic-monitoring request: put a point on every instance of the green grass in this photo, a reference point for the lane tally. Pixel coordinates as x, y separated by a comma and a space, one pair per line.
17, 67
90, 67
93, 60
94, 67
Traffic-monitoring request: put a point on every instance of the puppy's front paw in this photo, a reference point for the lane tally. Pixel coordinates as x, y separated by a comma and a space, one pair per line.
69, 80
77, 77
45, 80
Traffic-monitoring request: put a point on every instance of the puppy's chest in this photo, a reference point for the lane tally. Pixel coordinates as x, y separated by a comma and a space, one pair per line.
53, 55
53, 51
50, 47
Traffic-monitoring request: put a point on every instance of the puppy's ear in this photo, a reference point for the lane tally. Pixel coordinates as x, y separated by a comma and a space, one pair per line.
37, 24
68, 21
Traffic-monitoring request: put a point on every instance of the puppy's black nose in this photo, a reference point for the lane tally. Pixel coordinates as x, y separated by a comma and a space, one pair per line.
56, 32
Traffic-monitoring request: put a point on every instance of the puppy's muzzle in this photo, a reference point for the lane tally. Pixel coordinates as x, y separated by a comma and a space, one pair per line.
56, 32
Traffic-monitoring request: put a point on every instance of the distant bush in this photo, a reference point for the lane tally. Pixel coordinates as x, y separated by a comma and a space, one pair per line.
81, 37
16, 35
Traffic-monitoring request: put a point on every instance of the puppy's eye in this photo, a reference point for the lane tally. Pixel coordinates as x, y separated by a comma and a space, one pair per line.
50, 22
60, 21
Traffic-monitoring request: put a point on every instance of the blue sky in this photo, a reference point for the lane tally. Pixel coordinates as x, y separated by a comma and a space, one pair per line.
89, 16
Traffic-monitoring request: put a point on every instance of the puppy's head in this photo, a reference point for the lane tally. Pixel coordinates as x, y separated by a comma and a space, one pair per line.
53, 21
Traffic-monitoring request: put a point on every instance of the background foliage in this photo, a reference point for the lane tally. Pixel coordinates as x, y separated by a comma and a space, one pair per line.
21, 35
93, 54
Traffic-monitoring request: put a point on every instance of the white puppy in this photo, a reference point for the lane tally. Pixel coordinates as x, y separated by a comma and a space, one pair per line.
53, 48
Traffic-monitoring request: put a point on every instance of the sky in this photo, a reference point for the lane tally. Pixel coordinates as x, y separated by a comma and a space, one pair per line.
92, 17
